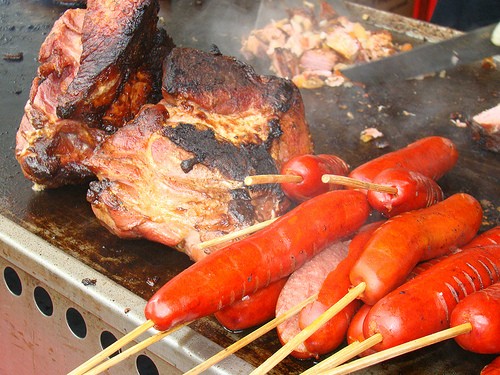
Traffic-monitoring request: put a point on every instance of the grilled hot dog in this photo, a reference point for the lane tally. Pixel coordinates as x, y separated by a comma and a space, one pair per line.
258, 260
404, 240
311, 168
252, 309
482, 310
414, 191
335, 286
424, 304
431, 156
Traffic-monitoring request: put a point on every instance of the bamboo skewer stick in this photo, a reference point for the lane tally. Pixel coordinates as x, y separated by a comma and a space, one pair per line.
236, 234
272, 179
351, 182
398, 350
309, 330
101, 356
251, 337
345, 354
132, 350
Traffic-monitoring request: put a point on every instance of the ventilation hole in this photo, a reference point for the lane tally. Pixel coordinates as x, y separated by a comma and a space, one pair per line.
43, 301
107, 339
76, 323
12, 281
146, 366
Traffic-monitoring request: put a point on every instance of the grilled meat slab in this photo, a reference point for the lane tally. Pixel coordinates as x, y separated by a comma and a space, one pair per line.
90, 82
174, 174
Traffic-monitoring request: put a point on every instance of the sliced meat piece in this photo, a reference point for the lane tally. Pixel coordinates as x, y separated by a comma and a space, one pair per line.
485, 128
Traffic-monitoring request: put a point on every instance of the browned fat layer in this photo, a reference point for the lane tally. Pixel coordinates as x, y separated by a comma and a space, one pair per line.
233, 162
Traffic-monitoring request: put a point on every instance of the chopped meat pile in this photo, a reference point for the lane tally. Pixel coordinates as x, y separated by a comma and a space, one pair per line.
310, 48
166, 134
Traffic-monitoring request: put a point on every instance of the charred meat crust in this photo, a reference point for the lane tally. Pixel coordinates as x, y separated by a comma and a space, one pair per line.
222, 83
233, 162
114, 50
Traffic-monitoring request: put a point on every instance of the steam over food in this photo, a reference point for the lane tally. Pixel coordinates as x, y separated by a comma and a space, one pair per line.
310, 47
169, 133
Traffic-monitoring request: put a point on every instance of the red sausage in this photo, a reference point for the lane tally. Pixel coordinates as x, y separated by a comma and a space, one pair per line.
404, 240
431, 156
355, 330
493, 368
490, 237
311, 168
252, 309
256, 261
302, 284
423, 305
482, 310
414, 191
335, 286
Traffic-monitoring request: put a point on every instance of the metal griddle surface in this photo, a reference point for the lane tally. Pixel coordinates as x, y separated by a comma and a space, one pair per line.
404, 112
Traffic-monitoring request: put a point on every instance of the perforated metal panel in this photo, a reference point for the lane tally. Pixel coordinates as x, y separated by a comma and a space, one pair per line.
56, 313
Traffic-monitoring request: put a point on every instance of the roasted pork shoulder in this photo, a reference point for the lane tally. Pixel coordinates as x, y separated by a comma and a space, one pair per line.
175, 173
98, 66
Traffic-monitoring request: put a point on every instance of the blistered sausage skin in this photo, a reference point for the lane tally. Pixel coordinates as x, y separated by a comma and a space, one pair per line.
414, 191
431, 156
258, 260
423, 305
482, 310
404, 240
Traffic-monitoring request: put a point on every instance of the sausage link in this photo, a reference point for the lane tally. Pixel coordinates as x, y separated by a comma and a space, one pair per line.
404, 240
414, 191
490, 237
355, 330
311, 168
335, 286
493, 368
303, 283
482, 310
431, 156
256, 261
252, 309
423, 305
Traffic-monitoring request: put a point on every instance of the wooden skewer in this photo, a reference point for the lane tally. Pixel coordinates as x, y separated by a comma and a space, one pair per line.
345, 354
132, 350
236, 234
309, 330
272, 179
251, 337
352, 182
101, 356
398, 350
